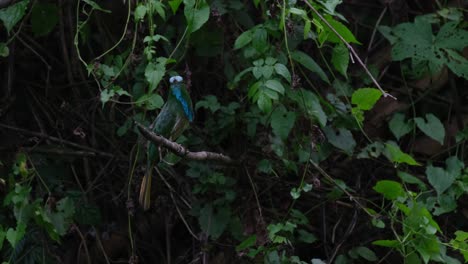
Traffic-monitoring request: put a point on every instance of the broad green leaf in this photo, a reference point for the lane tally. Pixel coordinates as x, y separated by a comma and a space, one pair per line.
150, 101
299, 12
310, 104
4, 50
461, 236
267, 71
282, 70
306, 236
429, 53
408, 178
243, 39
264, 103
13, 236
391, 190
270, 61
454, 166
256, 2
366, 253
209, 102
306, 61
196, 14
159, 8
328, 35
247, 243
11, 15
174, 4
340, 59
399, 126
365, 98
307, 27
154, 73
330, 5
282, 121
432, 127
260, 39
140, 12
439, 178
214, 221
275, 85
44, 17
387, 243
106, 95
396, 155
343, 139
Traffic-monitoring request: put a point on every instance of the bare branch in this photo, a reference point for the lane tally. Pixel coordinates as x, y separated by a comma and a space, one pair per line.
180, 150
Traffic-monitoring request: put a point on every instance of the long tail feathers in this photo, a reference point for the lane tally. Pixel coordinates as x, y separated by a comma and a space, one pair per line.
145, 191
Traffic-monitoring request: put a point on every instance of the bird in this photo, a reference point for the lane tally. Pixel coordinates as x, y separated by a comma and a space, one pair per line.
174, 117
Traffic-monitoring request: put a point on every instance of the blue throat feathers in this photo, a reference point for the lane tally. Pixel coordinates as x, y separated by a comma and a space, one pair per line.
177, 92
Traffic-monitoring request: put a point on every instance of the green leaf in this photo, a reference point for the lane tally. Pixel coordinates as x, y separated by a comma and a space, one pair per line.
247, 243
106, 95
267, 71
306, 236
264, 103
260, 39
140, 12
13, 236
282, 121
214, 222
408, 178
11, 15
150, 101
343, 139
328, 35
398, 126
387, 243
439, 178
159, 8
396, 155
154, 73
306, 61
432, 127
391, 190
4, 50
197, 14
340, 59
366, 253
365, 98
44, 17
174, 4
275, 86
310, 104
209, 102
243, 39
282, 70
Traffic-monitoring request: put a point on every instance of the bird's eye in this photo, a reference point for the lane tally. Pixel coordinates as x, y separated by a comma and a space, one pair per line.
175, 79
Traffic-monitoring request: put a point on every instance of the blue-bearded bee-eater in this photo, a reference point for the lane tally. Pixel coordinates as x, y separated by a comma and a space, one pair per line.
174, 118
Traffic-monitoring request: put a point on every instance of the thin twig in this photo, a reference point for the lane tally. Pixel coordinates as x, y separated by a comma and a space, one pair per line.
385, 94
180, 150
58, 140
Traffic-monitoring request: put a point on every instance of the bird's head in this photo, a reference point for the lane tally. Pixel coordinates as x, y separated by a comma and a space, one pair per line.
175, 79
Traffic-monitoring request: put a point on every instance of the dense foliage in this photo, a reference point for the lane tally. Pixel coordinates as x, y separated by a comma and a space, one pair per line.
345, 121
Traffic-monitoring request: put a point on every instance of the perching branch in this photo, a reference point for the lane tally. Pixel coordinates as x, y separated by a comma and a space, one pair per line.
180, 150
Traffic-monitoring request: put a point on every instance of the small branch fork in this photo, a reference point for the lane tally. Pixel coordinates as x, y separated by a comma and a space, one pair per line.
180, 150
